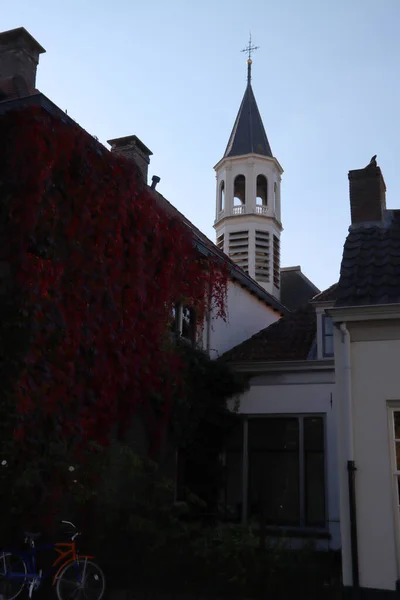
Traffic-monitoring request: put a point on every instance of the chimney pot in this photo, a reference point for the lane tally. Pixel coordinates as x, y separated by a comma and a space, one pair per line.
154, 180
367, 194
133, 148
19, 58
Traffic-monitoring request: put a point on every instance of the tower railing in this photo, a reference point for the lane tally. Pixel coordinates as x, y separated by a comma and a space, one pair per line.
261, 210
239, 210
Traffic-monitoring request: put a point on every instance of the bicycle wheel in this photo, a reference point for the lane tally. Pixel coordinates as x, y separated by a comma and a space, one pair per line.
12, 575
81, 579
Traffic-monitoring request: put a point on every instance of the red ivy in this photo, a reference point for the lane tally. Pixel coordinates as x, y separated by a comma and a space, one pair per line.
99, 264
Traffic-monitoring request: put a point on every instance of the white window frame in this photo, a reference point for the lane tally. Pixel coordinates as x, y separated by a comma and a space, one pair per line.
178, 329
394, 407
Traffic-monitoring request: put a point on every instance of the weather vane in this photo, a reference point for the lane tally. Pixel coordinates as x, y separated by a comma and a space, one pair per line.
249, 49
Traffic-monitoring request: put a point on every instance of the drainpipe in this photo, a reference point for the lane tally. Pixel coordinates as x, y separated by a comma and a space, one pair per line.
351, 468
208, 333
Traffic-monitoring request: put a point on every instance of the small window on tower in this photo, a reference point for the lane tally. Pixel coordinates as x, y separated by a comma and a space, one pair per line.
275, 194
262, 190
221, 205
239, 194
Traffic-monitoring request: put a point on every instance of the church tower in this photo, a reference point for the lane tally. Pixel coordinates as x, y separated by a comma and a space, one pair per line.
248, 200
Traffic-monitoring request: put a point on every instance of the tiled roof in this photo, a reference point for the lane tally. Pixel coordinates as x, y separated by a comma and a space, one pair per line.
296, 288
248, 133
370, 270
327, 295
290, 338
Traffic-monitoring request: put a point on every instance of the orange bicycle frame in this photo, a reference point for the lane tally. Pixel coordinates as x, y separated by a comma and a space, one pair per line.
67, 554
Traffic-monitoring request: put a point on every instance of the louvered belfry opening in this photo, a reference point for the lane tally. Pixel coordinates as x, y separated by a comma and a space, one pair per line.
239, 248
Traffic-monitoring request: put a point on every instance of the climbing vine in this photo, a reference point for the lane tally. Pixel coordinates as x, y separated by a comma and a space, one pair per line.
94, 265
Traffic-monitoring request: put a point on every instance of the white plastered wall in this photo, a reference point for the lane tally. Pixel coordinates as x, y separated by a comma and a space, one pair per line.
375, 383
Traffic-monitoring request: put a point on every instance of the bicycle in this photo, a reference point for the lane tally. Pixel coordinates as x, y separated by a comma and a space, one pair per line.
74, 575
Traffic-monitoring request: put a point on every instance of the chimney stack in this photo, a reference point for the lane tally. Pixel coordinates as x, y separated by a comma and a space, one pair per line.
134, 149
19, 58
367, 194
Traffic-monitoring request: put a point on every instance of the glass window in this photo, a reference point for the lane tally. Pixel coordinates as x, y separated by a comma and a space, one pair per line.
286, 471
327, 336
188, 324
314, 471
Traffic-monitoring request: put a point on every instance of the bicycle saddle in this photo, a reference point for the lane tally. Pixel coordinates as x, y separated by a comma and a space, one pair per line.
32, 536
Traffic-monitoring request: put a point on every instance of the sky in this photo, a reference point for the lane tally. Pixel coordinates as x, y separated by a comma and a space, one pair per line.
325, 77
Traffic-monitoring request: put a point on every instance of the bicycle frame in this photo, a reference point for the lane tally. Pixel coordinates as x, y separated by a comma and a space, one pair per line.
66, 554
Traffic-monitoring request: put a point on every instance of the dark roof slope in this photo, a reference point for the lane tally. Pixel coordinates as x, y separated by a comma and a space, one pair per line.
296, 288
328, 295
290, 338
370, 270
248, 133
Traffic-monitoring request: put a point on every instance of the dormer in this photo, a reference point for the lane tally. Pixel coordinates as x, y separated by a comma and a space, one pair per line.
324, 342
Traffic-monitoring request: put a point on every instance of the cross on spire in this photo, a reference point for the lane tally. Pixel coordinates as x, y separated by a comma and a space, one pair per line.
249, 49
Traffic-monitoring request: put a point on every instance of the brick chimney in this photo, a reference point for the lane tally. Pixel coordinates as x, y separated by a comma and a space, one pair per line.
19, 58
134, 149
367, 194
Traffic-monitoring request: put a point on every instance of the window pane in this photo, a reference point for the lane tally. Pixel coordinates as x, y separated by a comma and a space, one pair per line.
274, 487
313, 434
328, 325
328, 345
315, 488
314, 467
273, 434
274, 470
398, 456
233, 486
188, 323
396, 415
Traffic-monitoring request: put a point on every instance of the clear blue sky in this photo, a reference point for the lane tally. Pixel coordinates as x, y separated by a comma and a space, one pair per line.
326, 79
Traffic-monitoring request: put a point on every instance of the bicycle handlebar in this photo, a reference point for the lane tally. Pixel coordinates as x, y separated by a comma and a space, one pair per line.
72, 525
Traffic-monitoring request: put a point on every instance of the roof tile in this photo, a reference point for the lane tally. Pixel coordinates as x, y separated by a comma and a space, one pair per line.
370, 270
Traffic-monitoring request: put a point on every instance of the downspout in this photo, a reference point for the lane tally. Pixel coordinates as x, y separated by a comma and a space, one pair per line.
208, 332
351, 468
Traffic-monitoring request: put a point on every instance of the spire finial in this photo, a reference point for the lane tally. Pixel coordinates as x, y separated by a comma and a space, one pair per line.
249, 49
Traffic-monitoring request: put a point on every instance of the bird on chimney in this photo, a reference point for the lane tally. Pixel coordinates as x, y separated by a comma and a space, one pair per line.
373, 161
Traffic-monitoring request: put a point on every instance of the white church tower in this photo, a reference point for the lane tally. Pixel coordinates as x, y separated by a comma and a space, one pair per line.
248, 208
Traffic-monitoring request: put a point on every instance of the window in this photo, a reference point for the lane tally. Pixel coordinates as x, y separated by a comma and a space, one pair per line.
262, 190
239, 191
395, 451
327, 336
221, 203
183, 322
286, 477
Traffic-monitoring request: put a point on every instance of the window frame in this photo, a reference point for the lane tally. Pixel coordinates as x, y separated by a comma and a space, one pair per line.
393, 407
177, 323
302, 526
325, 335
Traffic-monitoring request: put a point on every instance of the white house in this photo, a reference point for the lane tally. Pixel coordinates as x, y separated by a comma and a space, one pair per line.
284, 461
367, 353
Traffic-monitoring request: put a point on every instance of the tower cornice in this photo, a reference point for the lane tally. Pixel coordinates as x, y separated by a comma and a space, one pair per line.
226, 160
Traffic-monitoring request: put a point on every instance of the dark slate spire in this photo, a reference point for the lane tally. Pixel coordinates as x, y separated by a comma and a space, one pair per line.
248, 133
